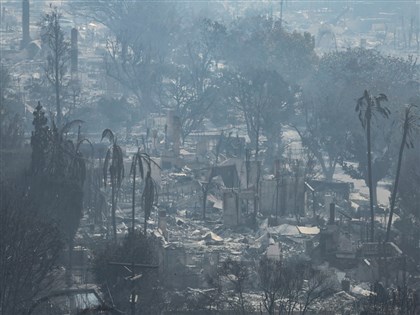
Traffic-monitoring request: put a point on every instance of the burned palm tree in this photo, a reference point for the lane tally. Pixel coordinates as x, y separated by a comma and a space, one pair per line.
114, 165
149, 192
76, 161
76, 170
58, 171
409, 125
367, 107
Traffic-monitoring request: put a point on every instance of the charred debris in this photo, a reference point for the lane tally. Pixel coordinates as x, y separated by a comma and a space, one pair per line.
209, 158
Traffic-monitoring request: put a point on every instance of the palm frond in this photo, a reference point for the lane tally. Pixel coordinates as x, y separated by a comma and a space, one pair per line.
66, 128
362, 119
106, 164
118, 151
381, 98
410, 124
148, 195
137, 159
81, 167
107, 133
79, 143
384, 111
367, 105
141, 169
150, 160
359, 104
118, 163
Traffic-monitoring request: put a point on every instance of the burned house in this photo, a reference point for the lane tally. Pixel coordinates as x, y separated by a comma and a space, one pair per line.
283, 196
364, 261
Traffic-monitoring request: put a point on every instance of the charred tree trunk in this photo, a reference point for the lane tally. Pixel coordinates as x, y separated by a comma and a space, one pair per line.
69, 270
145, 225
133, 210
395, 188
113, 210
257, 184
370, 184
57, 90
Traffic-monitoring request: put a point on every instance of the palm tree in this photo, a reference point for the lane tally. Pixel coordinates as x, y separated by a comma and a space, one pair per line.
77, 175
367, 106
59, 171
410, 121
149, 191
114, 165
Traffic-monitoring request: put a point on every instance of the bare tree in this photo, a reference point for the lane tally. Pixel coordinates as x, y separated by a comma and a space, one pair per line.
326, 127
237, 274
290, 286
9, 111
410, 124
191, 104
386, 301
270, 273
192, 84
29, 249
317, 285
263, 97
140, 42
57, 57
11, 127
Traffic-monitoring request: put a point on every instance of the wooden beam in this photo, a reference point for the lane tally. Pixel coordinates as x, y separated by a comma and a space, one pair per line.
114, 263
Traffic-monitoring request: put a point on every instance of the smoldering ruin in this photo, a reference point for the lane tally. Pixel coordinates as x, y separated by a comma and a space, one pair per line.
209, 157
